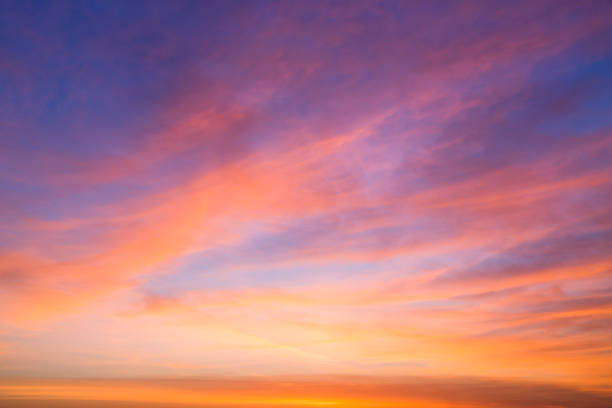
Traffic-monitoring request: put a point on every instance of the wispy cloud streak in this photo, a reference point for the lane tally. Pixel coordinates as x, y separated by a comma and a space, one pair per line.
271, 188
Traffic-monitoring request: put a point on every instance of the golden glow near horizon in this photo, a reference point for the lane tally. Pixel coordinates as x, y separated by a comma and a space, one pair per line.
341, 392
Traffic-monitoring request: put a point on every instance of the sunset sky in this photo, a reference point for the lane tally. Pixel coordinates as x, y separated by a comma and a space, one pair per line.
346, 204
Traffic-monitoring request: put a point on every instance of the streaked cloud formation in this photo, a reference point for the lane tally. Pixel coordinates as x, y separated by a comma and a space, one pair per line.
362, 203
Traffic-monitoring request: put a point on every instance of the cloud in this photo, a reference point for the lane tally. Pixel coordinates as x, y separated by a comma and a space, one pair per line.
311, 188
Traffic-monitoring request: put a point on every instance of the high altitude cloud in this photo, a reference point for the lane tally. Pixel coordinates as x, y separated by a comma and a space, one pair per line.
269, 188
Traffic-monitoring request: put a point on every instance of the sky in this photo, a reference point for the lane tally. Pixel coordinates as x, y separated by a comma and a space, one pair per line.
239, 204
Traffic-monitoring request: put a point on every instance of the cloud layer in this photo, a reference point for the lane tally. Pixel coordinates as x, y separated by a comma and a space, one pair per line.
272, 188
